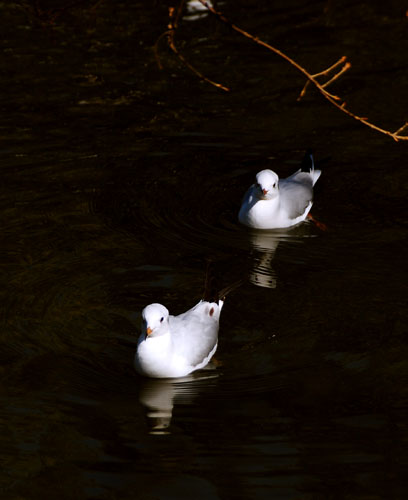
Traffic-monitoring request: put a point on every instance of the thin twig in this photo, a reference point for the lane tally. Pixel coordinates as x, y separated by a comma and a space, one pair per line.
401, 128
343, 70
156, 49
173, 22
303, 91
96, 5
325, 73
331, 68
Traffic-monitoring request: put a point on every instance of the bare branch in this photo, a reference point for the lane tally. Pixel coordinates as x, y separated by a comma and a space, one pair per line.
303, 91
333, 99
173, 23
156, 49
401, 129
343, 70
331, 68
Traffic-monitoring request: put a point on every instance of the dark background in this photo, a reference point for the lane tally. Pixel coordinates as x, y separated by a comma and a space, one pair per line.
119, 180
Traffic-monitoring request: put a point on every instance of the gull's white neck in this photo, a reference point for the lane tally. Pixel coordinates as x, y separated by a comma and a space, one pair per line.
154, 352
263, 210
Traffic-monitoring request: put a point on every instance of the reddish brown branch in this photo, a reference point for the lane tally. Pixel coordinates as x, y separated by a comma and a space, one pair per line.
401, 129
312, 78
174, 16
331, 68
156, 49
325, 72
343, 70
303, 91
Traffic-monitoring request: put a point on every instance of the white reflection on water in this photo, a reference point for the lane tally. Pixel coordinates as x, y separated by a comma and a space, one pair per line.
264, 245
159, 396
196, 10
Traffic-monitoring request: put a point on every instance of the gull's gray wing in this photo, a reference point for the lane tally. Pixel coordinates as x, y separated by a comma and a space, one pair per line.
195, 332
296, 193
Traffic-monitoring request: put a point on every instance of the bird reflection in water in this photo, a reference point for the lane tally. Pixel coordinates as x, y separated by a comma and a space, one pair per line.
264, 244
159, 396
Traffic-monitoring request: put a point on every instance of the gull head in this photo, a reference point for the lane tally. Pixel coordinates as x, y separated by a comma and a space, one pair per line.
155, 320
267, 183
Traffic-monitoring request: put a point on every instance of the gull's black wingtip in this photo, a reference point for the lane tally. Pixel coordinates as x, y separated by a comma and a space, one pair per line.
230, 288
212, 292
307, 162
210, 284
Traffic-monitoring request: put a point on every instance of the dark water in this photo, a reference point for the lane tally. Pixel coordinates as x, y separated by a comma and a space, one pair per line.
119, 182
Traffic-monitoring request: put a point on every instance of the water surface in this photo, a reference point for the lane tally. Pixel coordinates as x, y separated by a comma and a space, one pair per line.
120, 181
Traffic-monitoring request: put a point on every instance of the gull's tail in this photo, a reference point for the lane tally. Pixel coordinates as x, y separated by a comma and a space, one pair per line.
309, 167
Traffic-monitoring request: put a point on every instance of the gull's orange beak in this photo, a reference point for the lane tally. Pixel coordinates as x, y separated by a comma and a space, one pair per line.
265, 192
148, 330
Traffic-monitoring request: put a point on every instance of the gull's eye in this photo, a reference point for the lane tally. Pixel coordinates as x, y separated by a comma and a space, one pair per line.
274, 185
161, 319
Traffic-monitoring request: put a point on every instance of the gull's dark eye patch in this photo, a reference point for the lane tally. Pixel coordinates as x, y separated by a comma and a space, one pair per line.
161, 319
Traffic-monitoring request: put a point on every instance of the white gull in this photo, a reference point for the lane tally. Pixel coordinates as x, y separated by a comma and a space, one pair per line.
174, 346
276, 203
